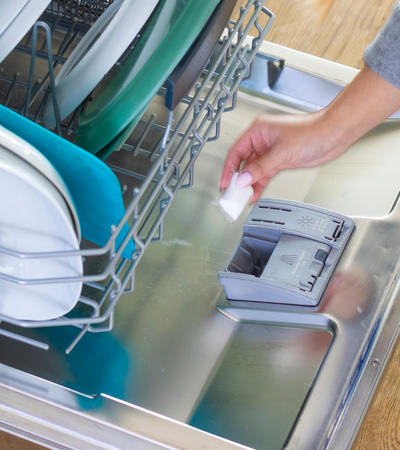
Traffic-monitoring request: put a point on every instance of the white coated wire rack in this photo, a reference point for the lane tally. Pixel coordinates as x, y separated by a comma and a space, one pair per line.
162, 149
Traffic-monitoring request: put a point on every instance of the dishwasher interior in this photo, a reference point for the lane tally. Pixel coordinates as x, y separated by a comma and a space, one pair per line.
156, 356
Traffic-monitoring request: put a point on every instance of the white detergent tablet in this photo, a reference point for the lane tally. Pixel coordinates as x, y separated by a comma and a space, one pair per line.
235, 198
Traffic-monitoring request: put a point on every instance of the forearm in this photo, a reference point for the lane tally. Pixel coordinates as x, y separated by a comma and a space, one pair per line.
361, 106
375, 93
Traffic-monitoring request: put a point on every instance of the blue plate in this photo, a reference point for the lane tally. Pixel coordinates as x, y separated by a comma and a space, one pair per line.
94, 188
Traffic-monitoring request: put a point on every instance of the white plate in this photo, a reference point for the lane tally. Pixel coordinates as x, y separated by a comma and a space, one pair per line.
9, 10
35, 218
22, 22
96, 53
23, 149
159, 33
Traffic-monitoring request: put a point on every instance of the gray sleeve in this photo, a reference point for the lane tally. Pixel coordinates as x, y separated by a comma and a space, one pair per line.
383, 54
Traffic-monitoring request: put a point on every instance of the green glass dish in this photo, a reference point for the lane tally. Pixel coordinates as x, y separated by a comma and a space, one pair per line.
116, 105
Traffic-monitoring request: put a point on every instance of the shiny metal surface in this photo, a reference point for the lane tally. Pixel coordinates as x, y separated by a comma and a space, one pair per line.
256, 393
179, 352
294, 87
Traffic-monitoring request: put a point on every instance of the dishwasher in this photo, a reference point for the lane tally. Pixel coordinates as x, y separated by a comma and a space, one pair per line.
159, 352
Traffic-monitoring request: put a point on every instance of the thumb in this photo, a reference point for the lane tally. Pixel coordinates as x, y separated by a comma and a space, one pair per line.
266, 166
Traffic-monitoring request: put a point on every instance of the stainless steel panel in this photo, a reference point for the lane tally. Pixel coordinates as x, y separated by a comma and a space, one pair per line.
259, 388
294, 87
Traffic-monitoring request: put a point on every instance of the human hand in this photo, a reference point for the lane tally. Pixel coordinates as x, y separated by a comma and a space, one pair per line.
277, 142
274, 143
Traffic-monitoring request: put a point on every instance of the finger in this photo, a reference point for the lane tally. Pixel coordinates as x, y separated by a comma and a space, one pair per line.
258, 189
241, 150
232, 165
265, 166
253, 156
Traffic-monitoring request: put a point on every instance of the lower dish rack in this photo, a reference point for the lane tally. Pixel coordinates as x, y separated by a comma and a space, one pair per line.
157, 159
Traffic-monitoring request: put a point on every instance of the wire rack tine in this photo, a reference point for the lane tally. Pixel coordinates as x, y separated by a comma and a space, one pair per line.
51, 72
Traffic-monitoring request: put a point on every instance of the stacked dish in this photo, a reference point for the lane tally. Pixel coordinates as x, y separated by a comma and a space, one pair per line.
94, 188
16, 19
99, 49
38, 216
119, 101
167, 29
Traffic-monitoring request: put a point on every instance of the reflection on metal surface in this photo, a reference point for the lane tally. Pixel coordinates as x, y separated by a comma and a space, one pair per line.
261, 384
180, 350
291, 86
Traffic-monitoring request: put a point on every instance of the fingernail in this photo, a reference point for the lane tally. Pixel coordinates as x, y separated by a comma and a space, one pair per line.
244, 179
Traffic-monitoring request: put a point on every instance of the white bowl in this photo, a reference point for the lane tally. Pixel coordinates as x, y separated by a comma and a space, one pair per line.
35, 218
24, 150
99, 49
21, 20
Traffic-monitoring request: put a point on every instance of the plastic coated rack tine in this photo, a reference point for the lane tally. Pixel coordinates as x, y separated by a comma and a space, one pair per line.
11, 89
24, 339
51, 72
136, 148
75, 341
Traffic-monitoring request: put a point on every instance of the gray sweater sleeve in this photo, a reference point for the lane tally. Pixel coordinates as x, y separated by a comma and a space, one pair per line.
383, 54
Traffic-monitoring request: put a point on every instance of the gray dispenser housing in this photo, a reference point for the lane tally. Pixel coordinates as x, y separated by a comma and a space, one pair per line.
287, 253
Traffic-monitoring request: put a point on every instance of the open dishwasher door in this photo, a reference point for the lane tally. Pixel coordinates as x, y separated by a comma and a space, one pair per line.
186, 368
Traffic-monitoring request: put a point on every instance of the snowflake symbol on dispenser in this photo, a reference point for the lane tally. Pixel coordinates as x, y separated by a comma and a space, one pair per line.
305, 221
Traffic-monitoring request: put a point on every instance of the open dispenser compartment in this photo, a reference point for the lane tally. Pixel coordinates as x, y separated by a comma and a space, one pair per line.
287, 253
